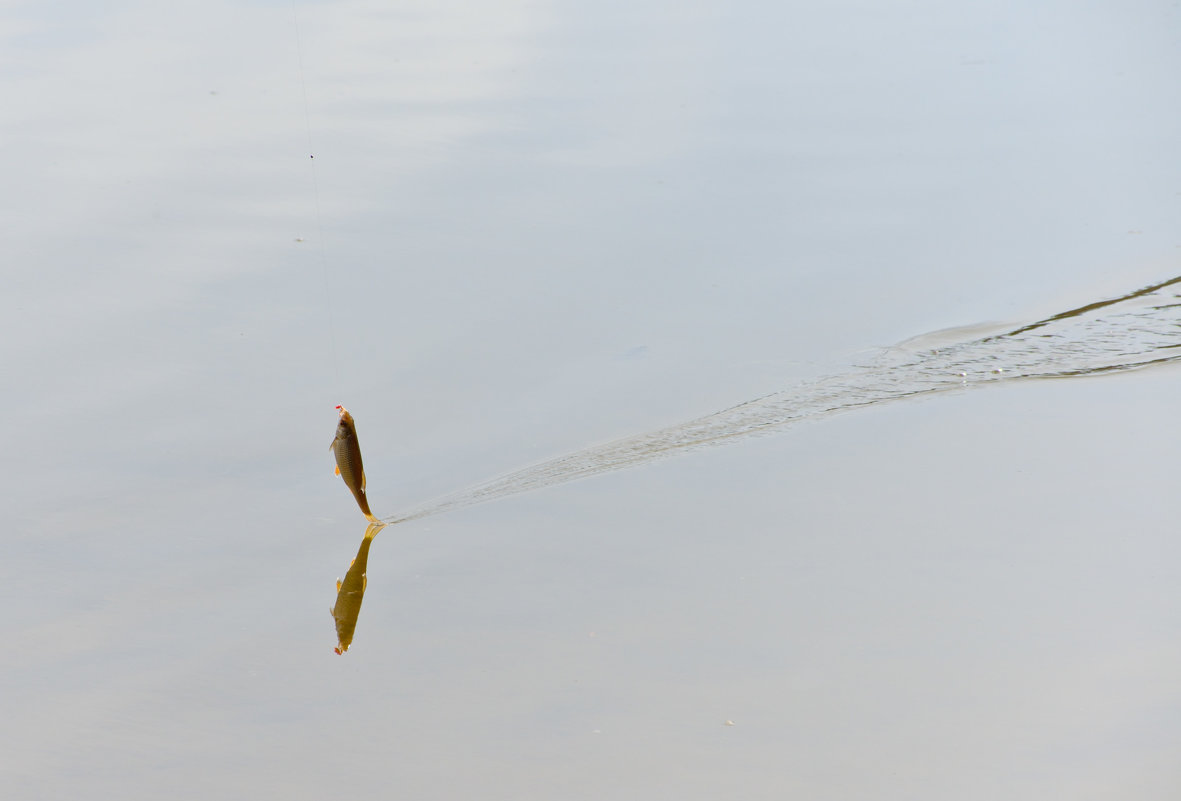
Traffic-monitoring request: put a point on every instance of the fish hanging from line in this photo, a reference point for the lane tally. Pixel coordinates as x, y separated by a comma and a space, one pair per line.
347, 451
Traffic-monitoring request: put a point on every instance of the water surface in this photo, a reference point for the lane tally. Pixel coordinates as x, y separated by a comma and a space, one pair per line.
545, 234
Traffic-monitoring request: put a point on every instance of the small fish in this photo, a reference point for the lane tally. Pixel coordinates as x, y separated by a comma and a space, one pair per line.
348, 460
351, 591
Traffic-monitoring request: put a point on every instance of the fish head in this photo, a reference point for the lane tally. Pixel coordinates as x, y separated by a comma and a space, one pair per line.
344, 413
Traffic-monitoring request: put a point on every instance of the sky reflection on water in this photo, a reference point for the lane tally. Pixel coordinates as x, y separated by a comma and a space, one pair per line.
530, 228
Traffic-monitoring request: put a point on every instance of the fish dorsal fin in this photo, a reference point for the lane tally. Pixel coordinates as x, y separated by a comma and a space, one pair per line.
362, 481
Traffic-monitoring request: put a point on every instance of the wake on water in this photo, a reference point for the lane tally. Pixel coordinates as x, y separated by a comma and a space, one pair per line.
1133, 331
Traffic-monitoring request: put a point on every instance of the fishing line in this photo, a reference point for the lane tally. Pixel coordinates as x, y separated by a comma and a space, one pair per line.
324, 268
1134, 331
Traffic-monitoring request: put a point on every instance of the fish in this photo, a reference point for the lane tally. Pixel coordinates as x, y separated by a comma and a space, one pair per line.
351, 591
348, 460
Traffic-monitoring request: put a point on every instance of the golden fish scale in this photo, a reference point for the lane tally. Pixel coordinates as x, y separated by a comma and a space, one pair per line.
348, 459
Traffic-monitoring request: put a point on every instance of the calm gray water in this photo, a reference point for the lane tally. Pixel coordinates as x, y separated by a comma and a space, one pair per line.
538, 242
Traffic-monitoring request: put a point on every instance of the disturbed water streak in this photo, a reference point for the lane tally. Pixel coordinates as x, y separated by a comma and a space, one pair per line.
1133, 331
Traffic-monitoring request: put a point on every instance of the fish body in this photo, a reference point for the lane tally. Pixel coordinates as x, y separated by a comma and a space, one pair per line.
351, 591
347, 451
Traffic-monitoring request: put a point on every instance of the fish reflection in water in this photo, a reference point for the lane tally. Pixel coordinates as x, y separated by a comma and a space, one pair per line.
351, 591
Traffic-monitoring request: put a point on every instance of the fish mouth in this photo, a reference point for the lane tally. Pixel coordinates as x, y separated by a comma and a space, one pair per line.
343, 411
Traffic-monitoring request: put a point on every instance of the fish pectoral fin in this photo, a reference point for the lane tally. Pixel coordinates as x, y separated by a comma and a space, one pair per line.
338, 590
364, 583
337, 470
353, 562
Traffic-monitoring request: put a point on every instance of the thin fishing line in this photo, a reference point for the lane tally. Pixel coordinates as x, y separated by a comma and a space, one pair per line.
324, 268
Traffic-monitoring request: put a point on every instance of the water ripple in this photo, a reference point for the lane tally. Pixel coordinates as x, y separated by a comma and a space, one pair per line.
1133, 331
